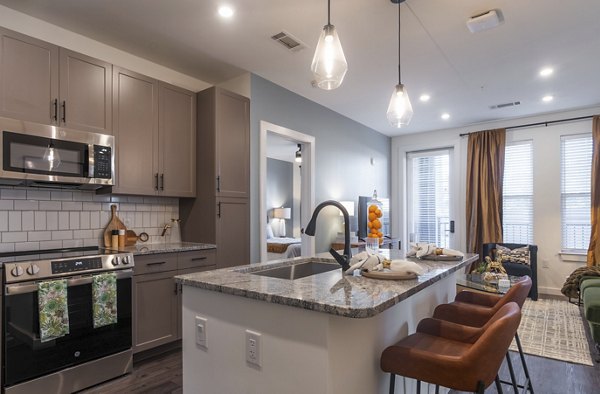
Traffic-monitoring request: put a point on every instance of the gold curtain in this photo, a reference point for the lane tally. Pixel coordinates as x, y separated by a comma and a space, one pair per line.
593, 255
485, 173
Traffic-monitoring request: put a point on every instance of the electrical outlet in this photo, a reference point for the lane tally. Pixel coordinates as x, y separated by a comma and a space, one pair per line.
200, 328
253, 351
545, 263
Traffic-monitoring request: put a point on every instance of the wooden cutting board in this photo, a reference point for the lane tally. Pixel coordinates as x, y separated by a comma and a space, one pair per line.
387, 275
114, 224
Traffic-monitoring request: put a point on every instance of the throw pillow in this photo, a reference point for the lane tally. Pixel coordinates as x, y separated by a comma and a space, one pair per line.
518, 255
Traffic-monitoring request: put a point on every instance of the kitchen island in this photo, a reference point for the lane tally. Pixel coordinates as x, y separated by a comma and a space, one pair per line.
318, 334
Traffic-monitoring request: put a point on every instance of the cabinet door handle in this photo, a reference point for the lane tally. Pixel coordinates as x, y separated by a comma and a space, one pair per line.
219, 183
64, 111
162, 181
176, 288
55, 110
156, 181
199, 258
219, 210
156, 263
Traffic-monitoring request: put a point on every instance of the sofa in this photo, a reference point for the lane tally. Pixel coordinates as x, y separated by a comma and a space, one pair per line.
589, 290
517, 269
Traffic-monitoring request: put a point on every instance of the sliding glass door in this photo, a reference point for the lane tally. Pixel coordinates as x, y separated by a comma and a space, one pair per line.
429, 208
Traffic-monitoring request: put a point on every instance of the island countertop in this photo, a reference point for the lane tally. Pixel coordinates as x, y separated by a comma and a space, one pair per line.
328, 292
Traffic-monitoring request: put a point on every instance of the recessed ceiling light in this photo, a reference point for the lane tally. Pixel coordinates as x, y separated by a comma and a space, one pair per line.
424, 98
445, 116
547, 98
226, 11
546, 72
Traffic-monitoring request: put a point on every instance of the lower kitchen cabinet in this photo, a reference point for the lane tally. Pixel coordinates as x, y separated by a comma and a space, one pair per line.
156, 310
157, 297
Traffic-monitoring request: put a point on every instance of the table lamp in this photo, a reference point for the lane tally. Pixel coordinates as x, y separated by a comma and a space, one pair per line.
281, 214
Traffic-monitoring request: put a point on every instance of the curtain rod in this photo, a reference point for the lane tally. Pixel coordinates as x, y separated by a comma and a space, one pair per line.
539, 124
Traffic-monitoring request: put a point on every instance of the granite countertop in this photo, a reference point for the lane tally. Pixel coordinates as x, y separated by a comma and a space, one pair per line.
165, 247
328, 292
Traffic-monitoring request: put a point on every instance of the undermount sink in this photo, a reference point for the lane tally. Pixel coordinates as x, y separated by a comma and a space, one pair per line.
297, 271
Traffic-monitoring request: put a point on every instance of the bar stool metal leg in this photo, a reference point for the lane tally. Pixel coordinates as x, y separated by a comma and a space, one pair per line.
392, 383
418, 387
437, 389
522, 355
498, 385
512, 373
480, 388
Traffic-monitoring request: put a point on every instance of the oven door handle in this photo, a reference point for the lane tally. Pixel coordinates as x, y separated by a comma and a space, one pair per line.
29, 287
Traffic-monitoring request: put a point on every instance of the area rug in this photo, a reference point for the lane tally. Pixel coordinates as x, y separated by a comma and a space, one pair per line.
554, 329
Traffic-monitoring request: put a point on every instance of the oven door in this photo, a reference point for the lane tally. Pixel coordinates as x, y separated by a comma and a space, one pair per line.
26, 357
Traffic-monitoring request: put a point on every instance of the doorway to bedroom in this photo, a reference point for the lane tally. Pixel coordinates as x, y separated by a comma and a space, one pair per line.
287, 196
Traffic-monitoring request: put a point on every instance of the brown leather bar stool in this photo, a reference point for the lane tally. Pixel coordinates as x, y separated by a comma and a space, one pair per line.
475, 309
453, 356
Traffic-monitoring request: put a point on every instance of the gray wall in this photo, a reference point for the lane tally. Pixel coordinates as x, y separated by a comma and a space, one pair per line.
344, 149
280, 177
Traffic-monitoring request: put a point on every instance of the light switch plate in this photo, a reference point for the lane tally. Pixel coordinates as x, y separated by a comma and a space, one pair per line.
200, 329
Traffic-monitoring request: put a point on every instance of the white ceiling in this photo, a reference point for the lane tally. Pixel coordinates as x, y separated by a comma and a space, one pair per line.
464, 73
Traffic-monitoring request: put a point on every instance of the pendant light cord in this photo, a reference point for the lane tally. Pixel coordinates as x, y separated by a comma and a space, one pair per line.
328, 12
399, 41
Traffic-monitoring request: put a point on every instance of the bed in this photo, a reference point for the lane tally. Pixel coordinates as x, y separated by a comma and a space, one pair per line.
283, 248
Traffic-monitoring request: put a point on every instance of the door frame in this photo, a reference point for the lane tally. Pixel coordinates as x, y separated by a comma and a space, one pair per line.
307, 194
400, 192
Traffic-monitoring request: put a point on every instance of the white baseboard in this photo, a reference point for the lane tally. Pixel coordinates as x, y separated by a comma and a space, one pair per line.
550, 291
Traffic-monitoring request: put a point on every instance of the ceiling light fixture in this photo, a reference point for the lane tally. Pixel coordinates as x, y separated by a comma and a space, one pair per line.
226, 11
547, 98
424, 98
329, 64
298, 158
546, 72
400, 110
445, 116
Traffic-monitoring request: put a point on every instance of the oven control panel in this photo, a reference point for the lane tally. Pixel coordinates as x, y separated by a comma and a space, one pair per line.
75, 265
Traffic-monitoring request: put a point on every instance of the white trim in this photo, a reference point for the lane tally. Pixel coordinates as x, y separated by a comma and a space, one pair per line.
307, 201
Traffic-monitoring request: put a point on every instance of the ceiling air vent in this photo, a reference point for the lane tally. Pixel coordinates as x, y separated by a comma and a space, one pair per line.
288, 41
505, 105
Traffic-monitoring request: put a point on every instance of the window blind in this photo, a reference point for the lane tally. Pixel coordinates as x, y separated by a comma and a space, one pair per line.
576, 175
517, 199
431, 197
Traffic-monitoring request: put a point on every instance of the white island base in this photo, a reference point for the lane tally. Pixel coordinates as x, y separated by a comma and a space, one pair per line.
301, 351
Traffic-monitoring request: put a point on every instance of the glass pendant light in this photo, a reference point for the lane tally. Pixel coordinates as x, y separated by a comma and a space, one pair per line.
329, 64
52, 157
400, 110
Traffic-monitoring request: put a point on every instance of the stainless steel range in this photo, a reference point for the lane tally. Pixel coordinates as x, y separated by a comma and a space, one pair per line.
86, 353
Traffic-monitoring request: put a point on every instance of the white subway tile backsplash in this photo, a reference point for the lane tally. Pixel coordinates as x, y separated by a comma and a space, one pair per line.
40, 220
27, 222
60, 235
74, 221
49, 219
50, 206
3, 221
39, 236
34, 194
71, 206
63, 220
6, 205
52, 220
14, 236
13, 194
61, 196
14, 221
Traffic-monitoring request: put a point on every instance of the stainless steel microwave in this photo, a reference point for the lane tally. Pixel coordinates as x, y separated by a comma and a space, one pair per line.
33, 154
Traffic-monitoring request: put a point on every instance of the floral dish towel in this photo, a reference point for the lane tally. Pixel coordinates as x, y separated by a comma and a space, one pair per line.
53, 309
104, 290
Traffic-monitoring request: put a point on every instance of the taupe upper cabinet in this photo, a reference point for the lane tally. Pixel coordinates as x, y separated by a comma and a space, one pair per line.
232, 144
177, 133
44, 83
85, 92
155, 130
28, 78
135, 124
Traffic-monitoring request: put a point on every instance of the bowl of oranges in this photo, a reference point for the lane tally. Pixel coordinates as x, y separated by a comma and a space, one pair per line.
374, 222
